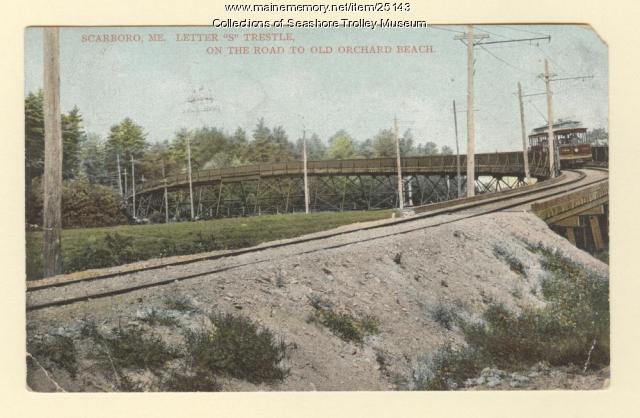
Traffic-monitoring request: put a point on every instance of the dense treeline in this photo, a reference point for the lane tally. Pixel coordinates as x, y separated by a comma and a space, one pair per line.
89, 160
94, 159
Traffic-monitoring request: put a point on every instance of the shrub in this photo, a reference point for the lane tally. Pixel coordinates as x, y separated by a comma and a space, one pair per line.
58, 349
84, 205
199, 381
572, 329
514, 264
128, 348
445, 316
238, 348
345, 326
179, 303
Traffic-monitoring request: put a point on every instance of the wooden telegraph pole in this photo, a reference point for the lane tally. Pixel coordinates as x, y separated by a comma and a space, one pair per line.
51, 250
189, 173
119, 174
455, 123
550, 137
166, 197
524, 136
304, 167
399, 163
471, 129
470, 38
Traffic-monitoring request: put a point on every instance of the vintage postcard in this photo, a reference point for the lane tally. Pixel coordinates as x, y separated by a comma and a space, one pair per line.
327, 204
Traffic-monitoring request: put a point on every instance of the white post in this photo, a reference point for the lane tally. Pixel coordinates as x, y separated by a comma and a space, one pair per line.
471, 135
133, 185
525, 154
304, 165
550, 137
455, 123
119, 174
399, 163
189, 174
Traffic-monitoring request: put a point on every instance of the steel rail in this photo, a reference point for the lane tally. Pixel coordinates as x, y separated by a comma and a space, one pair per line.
129, 289
423, 211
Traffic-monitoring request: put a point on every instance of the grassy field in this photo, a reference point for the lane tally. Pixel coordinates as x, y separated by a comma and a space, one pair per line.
105, 247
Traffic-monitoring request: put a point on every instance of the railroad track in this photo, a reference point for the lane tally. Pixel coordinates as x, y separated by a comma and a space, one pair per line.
466, 208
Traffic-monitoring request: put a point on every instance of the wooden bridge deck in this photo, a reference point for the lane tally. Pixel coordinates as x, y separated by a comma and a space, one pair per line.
494, 164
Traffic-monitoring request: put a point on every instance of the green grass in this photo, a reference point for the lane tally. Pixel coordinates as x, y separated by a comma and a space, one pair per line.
106, 247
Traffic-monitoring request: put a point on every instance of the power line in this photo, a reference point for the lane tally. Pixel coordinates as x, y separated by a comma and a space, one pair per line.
506, 62
538, 110
520, 30
448, 30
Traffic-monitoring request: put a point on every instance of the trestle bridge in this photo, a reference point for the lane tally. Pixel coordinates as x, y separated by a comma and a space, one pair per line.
334, 185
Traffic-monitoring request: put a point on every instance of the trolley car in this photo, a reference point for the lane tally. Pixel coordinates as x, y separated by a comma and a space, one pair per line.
571, 143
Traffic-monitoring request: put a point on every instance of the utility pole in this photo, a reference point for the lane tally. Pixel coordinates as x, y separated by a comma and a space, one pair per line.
399, 163
471, 129
455, 122
304, 167
119, 174
548, 78
126, 179
166, 197
550, 137
196, 100
470, 39
51, 249
525, 154
189, 173
133, 185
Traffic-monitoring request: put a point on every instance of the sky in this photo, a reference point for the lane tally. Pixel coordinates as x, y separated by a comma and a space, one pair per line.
152, 82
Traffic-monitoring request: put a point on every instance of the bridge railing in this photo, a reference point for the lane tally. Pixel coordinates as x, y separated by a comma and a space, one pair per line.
504, 163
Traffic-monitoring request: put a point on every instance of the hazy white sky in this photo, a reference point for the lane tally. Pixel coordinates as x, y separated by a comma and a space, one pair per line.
151, 82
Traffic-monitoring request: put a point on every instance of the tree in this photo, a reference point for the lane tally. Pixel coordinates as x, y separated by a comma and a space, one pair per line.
384, 144
597, 135
406, 144
34, 136
73, 136
446, 150
269, 145
126, 139
316, 149
341, 146
92, 160
428, 148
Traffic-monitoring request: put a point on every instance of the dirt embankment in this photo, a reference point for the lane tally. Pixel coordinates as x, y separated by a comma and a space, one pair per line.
399, 293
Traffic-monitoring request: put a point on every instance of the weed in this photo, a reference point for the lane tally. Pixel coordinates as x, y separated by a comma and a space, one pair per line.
200, 381
236, 347
156, 318
59, 350
343, 325
128, 348
381, 359
397, 258
179, 303
514, 264
572, 329
445, 316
